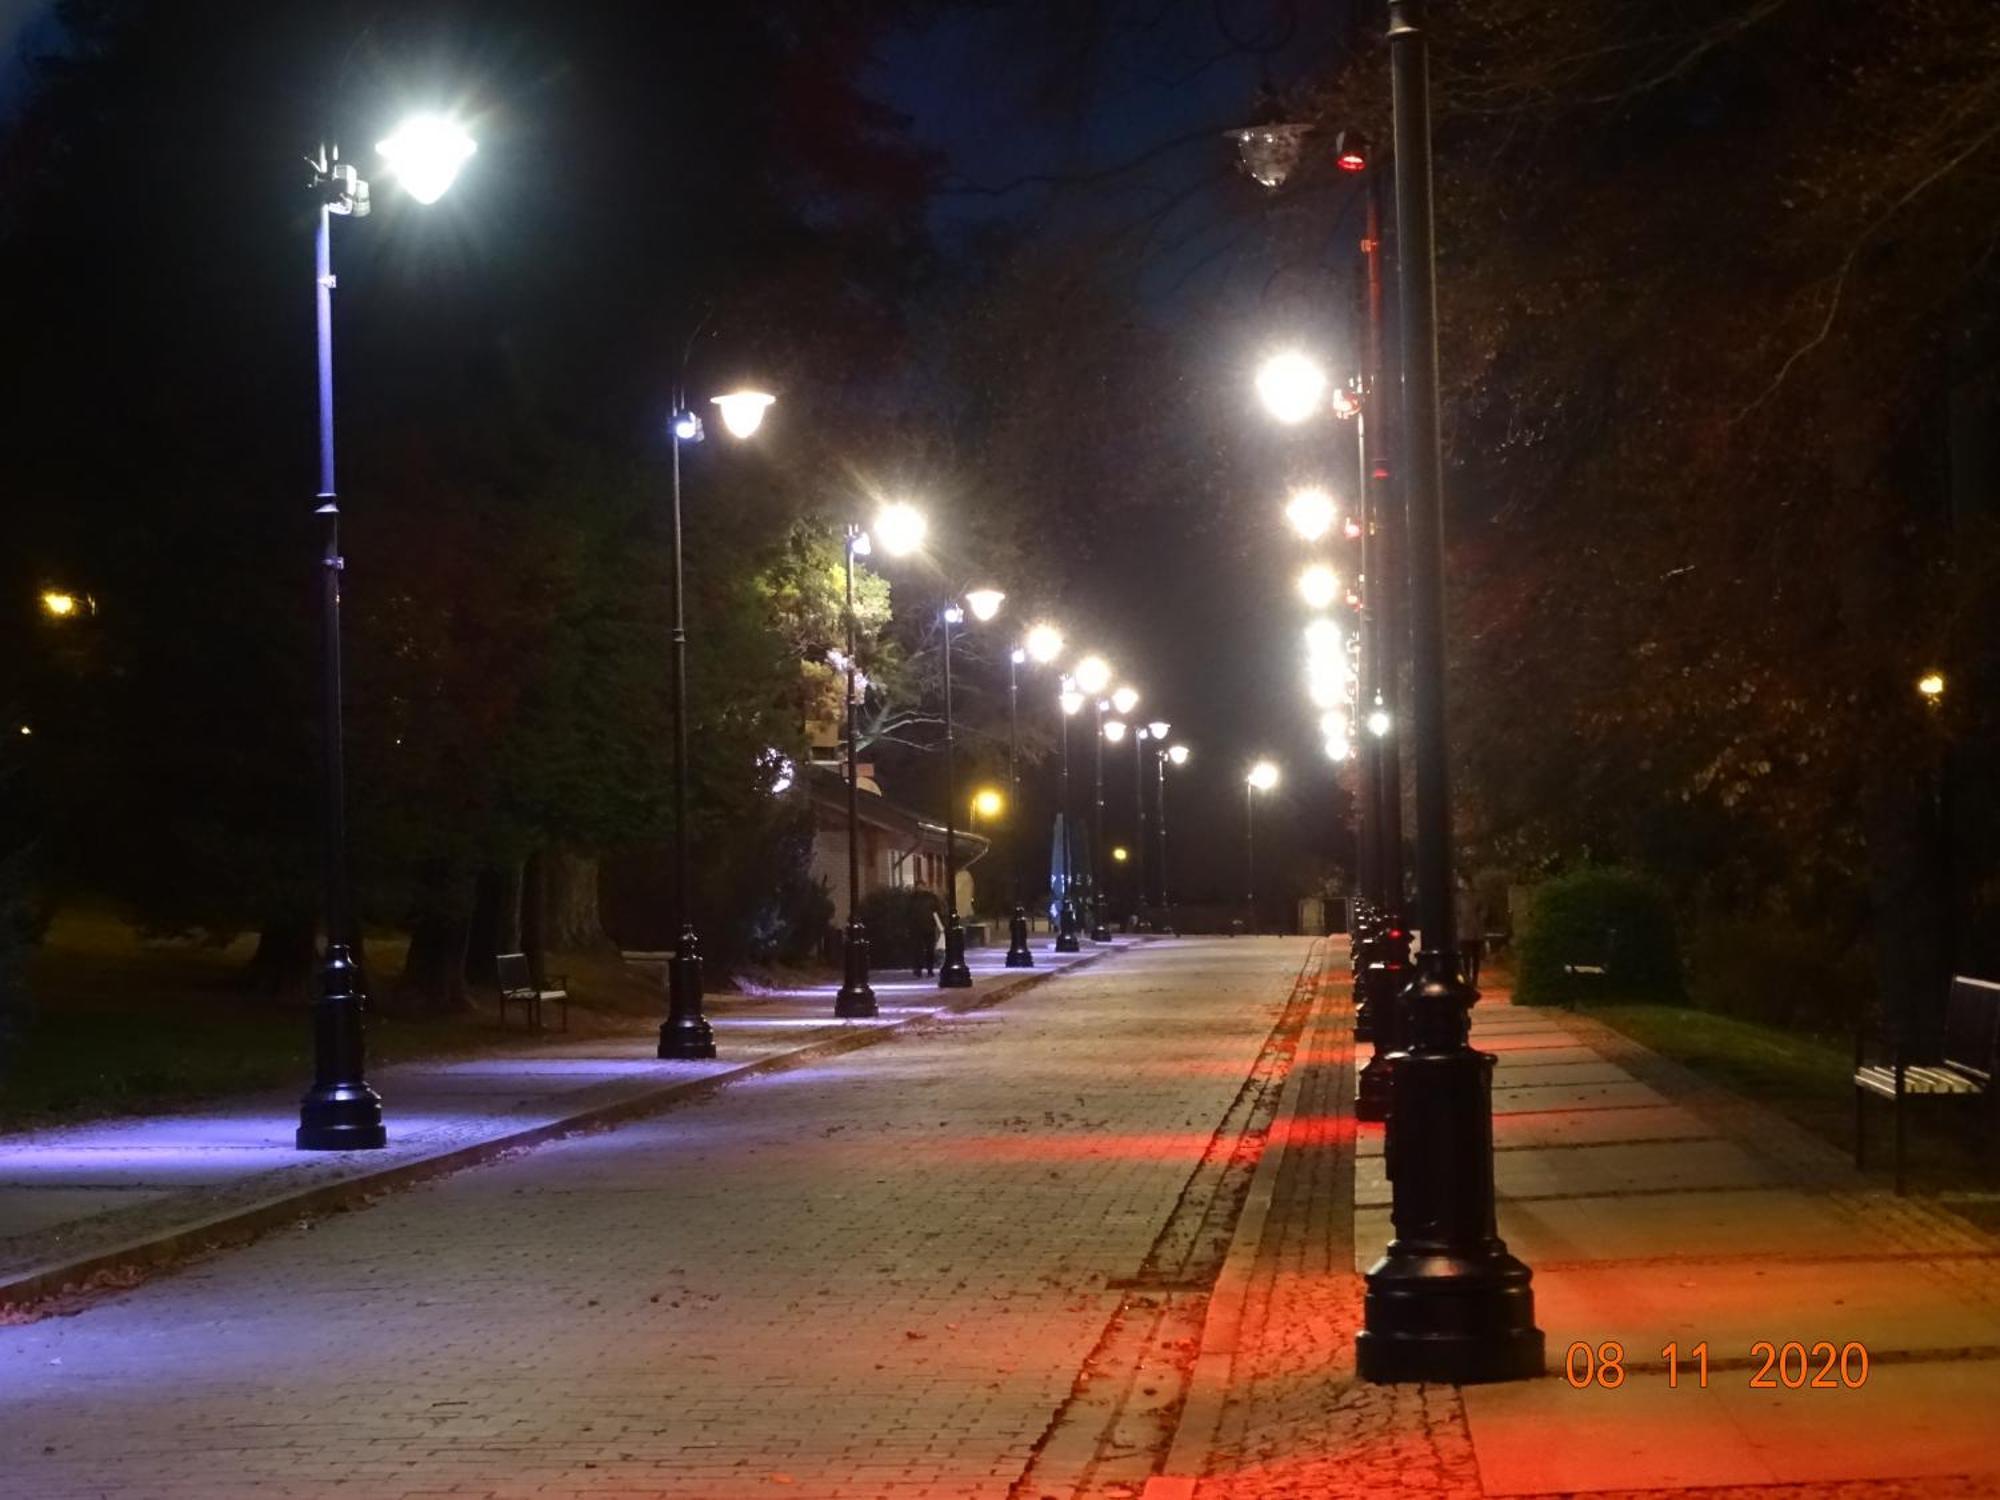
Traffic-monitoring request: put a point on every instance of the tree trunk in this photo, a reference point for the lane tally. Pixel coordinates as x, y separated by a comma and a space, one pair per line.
433, 979
535, 915
570, 898
496, 922
281, 968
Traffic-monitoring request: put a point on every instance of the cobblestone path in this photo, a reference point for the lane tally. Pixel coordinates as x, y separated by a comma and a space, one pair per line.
895, 1274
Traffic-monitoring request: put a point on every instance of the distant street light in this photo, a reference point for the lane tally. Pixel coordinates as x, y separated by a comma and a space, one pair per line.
987, 803
1093, 675
59, 605
1176, 756
1044, 643
1114, 731
901, 528
685, 1033
1319, 586
984, 603
1292, 387
1125, 699
1930, 687
340, 1112
1311, 513
1262, 777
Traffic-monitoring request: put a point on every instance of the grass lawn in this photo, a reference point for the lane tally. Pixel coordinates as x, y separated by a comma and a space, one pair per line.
1807, 1079
125, 1025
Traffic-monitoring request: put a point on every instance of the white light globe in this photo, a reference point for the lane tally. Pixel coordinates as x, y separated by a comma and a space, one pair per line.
1292, 387
1045, 643
425, 153
1263, 776
901, 528
1125, 699
1178, 754
984, 603
1311, 513
1093, 674
1319, 586
1114, 730
743, 411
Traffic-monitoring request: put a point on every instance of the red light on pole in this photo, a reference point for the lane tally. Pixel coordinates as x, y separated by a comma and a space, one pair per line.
1350, 151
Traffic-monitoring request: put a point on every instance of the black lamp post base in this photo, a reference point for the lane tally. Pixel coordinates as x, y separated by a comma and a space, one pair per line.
685, 1033
1018, 954
1066, 931
856, 1000
341, 1117
953, 974
1448, 1318
1099, 933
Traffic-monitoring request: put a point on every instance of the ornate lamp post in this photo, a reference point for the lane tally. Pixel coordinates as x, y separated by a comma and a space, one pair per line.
1155, 734
1093, 676
685, 1033
953, 974
1446, 1302
1261, 778
856, 1000
1177, 756
1043, 646
340, 1112
1071, 702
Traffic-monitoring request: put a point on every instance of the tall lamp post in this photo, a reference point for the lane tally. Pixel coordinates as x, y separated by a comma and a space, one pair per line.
1071, 702
1114, 734
685, 1033
1261, 778
953, 974
1446, 1302
1043, 645
1155, 734
856, 1000
340, 1112
1093, 676
1177, 756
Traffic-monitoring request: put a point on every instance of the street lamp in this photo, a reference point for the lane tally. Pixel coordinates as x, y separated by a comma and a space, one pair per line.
856, 1000
1311, 513
1100, 928
59, 605
1176, 756
1125, 699
1319, 586
1093, 675
685, 1033
1446, 1303
1154, 733
1261, 778
1042, 644
1071, 702
1292, 387
340, 1112
901, 528
953, 973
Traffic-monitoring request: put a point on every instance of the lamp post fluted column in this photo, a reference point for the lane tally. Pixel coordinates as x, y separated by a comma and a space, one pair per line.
685, 1033
1019, 955
1066, 915
1446, 1302
1100, 930
339, 1112
856, 1000
952, 973
1141, 735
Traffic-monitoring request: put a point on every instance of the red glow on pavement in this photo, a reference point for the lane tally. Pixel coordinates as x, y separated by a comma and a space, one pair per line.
1080, 1144
1313, 1130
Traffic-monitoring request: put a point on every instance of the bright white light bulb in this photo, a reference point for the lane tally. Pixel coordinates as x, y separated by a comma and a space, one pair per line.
1339, 749
1311, 513
901, 528
1263, 776
984, 603
1323, 639
425, 153
1071, 700
1178, 754
1125, 700
1093, 674
1319, 586
1378, 722
743, 411
1158, 728
1045, 643
1114, 730
1291, 387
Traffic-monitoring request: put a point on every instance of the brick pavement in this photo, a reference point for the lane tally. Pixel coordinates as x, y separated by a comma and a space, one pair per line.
877, 1275
1652, 1206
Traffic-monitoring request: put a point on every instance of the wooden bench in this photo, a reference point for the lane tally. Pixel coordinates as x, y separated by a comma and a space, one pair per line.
517, 982
1964, 1073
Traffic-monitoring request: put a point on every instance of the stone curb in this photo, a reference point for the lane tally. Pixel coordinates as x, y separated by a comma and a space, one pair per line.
1222, 1323
123, 1266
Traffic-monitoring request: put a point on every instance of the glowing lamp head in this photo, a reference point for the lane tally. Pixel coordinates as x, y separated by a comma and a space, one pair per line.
1018, 656
425, 155
1351, 529
1291, 386
1333, 724
1339, 749
1263, 776
1158, 729
686, 427
1120, 854
953, 615
1930, 687
1045, 643
1071, 699
1125, 700
987, 802
1269, 153
858, 543
901, 528
1350, 151
1178, 754
58, 605
1114, 730
743, 411
1093, 675
1319, 586
1378, 722
984, 603
1311, 512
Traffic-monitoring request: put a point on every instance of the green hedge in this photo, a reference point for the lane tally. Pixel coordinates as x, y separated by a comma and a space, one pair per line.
1571, 916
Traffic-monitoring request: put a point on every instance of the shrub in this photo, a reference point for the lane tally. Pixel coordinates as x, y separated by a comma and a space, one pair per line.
1567, 925
1778, 972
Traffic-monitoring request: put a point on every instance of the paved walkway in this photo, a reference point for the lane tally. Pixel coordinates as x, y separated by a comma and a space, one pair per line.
955, 1264
94, 1201
1654, 1210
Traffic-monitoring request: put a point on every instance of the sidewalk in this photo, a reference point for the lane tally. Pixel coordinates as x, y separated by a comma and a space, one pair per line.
1654, 1209
96, 1203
